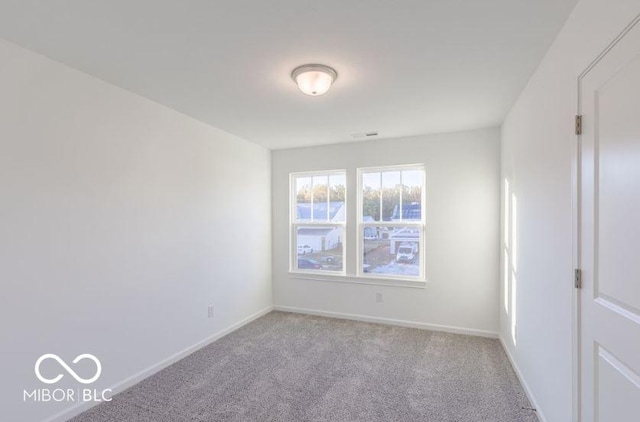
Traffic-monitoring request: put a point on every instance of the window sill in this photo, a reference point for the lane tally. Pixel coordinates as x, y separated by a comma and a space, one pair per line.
376, 281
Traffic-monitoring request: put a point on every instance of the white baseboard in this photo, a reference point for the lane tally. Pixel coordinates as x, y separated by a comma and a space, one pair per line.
136, 378
527, 390
389, 321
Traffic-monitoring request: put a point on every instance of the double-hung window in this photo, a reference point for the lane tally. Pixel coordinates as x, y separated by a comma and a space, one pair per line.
318, 218
391, 222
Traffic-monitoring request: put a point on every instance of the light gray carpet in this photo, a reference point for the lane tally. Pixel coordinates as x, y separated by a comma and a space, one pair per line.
289, 367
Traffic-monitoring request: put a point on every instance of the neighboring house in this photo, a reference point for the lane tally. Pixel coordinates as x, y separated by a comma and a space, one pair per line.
320, 238
370, 233
376, 232
412, 211
404, 234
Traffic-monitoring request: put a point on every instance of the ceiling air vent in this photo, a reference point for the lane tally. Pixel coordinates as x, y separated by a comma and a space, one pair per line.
364, 135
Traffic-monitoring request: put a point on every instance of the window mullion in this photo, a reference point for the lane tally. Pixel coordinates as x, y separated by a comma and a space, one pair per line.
328, 199
400, 206
311, 198
381, 218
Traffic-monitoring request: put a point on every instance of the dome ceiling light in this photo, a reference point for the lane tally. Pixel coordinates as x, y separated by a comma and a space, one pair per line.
314, 79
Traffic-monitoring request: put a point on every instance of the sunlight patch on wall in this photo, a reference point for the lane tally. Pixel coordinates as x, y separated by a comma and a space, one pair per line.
506, 213
514, 268
514, 312
514, 232
506, 281
506, 269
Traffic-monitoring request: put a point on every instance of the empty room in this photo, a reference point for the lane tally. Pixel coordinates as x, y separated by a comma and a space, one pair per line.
302, 211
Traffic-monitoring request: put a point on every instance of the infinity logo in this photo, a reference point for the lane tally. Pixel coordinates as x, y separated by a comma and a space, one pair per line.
67, 368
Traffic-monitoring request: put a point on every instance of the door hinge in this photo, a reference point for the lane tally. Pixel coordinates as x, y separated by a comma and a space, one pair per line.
578, 278
578, 125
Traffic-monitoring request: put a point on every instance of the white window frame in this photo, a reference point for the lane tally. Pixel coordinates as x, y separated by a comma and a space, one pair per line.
294, 224
419, 224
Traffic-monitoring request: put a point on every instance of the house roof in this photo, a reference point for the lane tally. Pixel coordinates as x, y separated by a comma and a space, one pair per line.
315, 231
406, 233
410, 211
319, 210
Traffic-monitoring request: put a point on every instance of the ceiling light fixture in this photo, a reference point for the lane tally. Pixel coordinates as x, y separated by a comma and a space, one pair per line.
314, 79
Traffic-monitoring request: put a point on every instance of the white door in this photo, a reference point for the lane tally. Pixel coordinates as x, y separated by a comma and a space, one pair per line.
610, 235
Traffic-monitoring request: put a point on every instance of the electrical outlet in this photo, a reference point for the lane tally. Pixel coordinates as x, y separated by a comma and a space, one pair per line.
210, 311
379, 297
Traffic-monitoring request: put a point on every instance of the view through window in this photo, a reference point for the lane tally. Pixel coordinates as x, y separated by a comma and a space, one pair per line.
319, 217
389, 221
391, 224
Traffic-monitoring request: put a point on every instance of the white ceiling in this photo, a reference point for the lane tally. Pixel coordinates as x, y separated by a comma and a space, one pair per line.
405, 67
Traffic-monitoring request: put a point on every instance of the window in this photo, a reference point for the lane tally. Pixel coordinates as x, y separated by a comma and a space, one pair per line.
388, 225
318, 218
391, 222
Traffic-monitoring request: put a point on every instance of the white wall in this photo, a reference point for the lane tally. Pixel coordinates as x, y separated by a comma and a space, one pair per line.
462, 213
537, 142
120, 221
